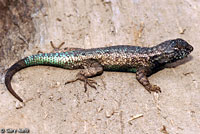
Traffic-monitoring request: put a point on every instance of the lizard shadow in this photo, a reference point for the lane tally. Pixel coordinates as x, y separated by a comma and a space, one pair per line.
180, 62
173, 65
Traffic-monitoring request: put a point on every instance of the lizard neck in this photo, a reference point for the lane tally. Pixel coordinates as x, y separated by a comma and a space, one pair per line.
158, 55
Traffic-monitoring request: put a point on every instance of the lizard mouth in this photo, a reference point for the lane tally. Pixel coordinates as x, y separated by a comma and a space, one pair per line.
190, 48
185, 52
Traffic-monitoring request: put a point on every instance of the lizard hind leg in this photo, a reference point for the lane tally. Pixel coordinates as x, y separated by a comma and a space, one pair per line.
59, 49
91, 69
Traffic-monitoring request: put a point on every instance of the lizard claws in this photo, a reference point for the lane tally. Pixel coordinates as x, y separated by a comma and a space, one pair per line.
91, 83
153, 88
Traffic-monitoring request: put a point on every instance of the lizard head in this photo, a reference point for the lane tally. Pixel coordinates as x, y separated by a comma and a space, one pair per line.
172, 50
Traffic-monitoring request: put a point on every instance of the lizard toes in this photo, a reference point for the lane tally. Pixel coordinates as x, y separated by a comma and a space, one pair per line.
71, 81
153, 88
92, 83
156, 89
89, 82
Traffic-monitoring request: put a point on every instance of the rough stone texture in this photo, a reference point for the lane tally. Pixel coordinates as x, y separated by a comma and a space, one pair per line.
53, 107
16, 28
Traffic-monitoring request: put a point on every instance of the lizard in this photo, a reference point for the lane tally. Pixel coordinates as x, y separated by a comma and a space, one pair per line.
123, 58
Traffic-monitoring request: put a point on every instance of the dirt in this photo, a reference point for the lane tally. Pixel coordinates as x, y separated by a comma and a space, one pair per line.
120, 104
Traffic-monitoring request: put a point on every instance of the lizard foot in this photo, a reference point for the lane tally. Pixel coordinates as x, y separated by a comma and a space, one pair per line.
59, 49
89, 82
153, 88
86, 81
55, 49
91, 69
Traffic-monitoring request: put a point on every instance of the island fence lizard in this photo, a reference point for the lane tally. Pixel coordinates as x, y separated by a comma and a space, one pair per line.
140, 60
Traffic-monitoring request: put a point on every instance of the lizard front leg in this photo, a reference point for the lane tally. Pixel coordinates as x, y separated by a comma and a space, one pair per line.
91, 69
141, 76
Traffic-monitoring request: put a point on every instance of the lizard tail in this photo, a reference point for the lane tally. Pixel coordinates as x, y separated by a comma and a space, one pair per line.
11, 71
